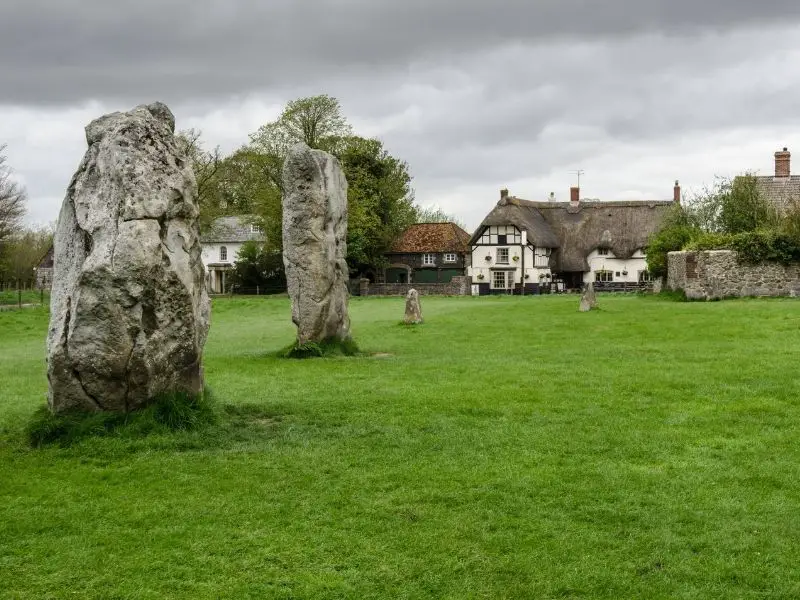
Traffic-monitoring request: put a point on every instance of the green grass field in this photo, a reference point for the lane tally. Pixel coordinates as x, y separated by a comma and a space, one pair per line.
507, 448
13, 297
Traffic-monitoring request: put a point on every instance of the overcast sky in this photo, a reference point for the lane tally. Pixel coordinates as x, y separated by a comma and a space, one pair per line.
474, 95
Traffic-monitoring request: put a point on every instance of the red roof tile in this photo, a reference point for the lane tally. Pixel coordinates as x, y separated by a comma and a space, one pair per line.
432, 237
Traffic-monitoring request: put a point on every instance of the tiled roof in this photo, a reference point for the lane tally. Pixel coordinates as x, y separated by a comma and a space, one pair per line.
780, 191
231, 229
432, 237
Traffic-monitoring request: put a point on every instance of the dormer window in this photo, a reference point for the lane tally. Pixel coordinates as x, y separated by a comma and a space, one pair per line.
602, 251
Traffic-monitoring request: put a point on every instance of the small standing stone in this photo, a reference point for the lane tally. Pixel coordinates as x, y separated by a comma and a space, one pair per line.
591, 296
413, 308
588, 299
315, 244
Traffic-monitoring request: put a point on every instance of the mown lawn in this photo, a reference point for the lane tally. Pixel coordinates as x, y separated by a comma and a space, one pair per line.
507, 448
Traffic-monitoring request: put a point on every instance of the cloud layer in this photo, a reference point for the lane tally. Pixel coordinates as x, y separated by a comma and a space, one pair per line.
474, 95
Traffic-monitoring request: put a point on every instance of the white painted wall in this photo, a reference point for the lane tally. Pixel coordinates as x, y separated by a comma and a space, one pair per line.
633, 266
210, 254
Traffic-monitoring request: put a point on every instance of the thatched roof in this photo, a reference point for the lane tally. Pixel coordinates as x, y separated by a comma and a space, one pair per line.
524, 215
575, 231
431, 237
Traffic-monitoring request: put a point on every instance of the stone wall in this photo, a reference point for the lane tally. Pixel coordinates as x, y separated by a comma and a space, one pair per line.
458, 286
715, 274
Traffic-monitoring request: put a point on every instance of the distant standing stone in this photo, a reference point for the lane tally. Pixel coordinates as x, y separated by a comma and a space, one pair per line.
315, 244
591, 296
413, 308
129, 312
588, 299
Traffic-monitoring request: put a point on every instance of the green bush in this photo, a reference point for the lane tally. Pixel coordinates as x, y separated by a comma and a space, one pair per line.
762, 246
710, 241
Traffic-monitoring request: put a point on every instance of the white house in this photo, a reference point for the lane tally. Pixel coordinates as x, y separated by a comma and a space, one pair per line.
221, 245
525, 245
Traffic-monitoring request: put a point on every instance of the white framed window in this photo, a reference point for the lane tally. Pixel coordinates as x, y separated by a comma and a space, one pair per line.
602, 251
502, 256
223, 254
499, 280
603, 276
428, 260
645, 276
450, 257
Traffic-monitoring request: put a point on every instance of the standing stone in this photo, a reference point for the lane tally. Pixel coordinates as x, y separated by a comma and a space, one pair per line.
129, 309
413, 309
315, 244
588, 299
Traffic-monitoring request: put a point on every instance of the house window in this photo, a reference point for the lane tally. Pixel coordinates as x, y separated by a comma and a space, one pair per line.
502, 256
645, 277
223, 254
450, 257
256, 229
603, 276
428, 260
499, 280
602, 251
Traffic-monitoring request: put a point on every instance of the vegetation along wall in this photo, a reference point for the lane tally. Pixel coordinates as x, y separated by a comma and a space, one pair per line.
715, 274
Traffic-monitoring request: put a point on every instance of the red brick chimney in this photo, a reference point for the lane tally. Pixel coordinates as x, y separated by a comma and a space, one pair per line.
782, 163
676, 192
574, 196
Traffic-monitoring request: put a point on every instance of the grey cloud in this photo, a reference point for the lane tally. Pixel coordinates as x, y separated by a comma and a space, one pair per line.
71, 50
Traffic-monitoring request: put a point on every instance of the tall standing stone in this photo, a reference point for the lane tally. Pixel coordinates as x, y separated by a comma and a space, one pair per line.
315, 244
129, 309
413, 314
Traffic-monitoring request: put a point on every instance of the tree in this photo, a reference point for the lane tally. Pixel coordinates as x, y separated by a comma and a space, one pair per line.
22, 253
434, 214
12, 201
257, 267
316, 121
206, 166
380, 200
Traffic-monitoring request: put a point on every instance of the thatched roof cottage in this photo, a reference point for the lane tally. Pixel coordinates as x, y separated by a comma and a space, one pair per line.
524, 245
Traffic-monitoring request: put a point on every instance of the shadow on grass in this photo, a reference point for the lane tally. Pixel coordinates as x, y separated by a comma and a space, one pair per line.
325, 348
190, 422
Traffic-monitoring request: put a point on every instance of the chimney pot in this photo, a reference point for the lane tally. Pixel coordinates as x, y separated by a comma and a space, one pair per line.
783, 163
575, 196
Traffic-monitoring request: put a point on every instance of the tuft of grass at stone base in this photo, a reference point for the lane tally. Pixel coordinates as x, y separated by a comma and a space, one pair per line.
169, 412
329, 347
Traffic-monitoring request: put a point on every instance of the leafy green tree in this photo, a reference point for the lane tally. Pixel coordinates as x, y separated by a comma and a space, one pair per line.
258, 267
435, 214
678, 229
380, 200
21, 254
743, 208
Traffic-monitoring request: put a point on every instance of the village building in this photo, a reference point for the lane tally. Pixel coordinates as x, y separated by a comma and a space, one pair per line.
221, 245
525, 246
428, 253
781, 189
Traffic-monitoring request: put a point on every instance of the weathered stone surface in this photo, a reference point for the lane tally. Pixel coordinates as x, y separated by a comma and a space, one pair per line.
591, 296
129, 309
413, 314
315, 244
588, 298
716, 274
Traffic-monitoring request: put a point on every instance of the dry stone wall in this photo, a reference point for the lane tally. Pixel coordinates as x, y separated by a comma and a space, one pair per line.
716, 274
